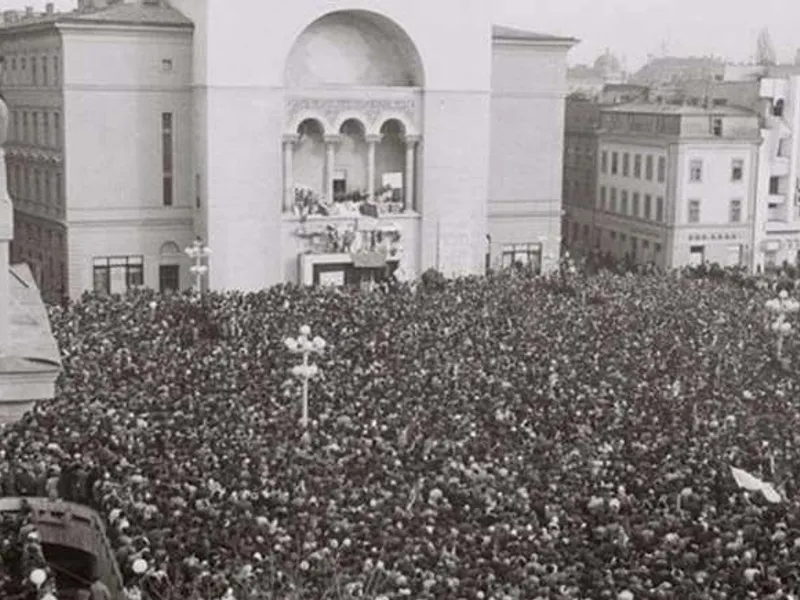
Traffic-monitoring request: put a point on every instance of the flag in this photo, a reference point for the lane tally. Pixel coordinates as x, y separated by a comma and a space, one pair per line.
749, 482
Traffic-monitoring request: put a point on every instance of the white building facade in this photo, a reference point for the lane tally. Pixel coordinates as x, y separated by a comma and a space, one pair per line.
353, 139
676, 186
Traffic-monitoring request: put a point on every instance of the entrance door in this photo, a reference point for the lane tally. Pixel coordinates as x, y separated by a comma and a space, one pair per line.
169, 278
697, 255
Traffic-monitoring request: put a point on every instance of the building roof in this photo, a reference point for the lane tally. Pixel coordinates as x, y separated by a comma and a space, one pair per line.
139, 13
501, 32
33, 348
677, 109
126, 12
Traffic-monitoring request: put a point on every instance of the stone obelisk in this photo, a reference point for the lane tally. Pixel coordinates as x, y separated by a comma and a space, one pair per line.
6, 235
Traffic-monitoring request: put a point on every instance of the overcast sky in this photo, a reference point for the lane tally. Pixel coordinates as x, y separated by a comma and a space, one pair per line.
635, 28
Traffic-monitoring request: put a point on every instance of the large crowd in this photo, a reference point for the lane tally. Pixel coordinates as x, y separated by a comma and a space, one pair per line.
509, 437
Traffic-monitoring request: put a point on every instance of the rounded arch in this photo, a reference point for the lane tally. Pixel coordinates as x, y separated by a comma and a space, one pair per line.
310, 116
352, 125
393, 121
353, 48
350, 117
169, 249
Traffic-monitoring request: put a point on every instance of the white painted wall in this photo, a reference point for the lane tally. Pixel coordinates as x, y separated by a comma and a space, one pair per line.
241, 75
112, 137
527, 136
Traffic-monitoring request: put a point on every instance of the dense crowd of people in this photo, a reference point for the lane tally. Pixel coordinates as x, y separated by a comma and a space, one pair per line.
512, 437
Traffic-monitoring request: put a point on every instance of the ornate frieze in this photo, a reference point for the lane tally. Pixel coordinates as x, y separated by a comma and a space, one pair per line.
367, 109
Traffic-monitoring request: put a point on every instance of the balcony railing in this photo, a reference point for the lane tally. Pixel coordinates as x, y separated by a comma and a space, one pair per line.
386, 201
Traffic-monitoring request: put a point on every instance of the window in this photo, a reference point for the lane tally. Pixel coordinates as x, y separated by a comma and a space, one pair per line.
197, 191
46, 129
24, 127
166, 65
34, 62
602, 197
116, 275
59, 190
613, 199
694, 211
48, 187
166, 150
35, 128
37, 174
662, 169
777, 108
626, 164
736, 211
696, 170
783, 147
168, 278
774, 185
45, 80
522, 255
737, 169
623, 201
635, 206
604, 162
697, 255
648, 167
660, 209
57, 129
716, 127
55, 71
614, 163
637, 166
648, 206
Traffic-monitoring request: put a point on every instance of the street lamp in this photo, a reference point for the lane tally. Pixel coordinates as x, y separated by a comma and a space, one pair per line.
782, 307
197, 252
305, 346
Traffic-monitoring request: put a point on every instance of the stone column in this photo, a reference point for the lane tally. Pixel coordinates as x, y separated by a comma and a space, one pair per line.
410, 178
372, 141
289, 142
330, 164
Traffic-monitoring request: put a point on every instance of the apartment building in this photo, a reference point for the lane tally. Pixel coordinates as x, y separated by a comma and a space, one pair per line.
99, 151
676, 185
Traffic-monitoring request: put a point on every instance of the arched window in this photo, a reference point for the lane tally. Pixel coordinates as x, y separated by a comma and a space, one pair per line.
169, 249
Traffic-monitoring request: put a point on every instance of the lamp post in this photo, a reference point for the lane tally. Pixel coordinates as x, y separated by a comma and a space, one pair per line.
782, 307
197, 252
305, 347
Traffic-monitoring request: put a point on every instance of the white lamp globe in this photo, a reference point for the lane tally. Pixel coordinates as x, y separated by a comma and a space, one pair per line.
305, 330
139, 566
319, 343
783, 295
291, 344
38, 577
786, 327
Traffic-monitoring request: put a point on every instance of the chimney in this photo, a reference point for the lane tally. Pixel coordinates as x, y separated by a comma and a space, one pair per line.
49, 9
29, 14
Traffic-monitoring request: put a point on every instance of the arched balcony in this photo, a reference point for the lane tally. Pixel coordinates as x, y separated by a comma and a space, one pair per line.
351, 143
353, 169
